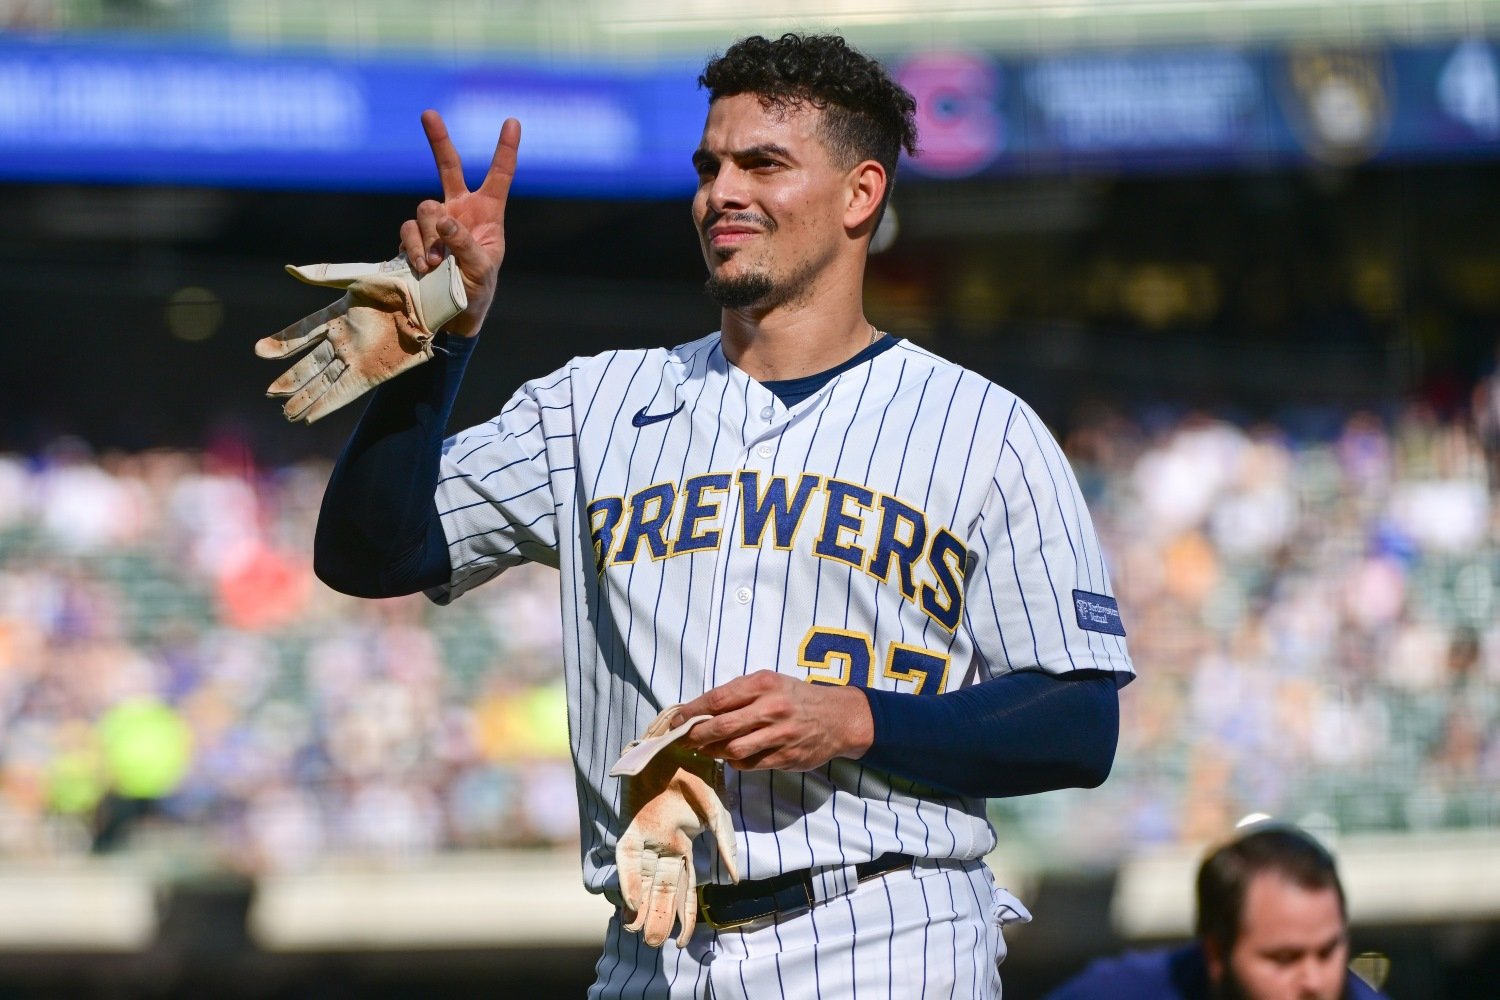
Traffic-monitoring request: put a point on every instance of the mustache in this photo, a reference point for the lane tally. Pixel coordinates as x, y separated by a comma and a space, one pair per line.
736, 219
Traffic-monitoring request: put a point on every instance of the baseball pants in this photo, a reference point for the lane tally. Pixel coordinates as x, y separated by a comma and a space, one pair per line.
930, 930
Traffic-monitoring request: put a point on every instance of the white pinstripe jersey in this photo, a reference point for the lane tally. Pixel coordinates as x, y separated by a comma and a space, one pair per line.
911, 526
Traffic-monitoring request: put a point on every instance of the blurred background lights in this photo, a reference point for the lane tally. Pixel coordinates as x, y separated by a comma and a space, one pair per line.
194, 313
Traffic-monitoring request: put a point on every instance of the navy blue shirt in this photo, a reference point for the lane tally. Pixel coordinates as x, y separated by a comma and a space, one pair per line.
1166, 974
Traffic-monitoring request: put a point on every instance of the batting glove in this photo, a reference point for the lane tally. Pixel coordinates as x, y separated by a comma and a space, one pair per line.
382, 326
670, 796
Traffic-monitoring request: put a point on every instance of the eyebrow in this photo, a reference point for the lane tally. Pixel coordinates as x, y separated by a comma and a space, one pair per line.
702, 156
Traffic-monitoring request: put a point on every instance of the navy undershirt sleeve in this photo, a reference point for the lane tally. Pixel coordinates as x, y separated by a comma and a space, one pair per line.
379, 533
1016, 734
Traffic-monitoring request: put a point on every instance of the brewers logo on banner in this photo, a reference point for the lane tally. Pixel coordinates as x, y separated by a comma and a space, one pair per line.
1337, 103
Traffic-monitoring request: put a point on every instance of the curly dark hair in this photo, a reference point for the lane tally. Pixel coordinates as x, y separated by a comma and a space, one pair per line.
866, 114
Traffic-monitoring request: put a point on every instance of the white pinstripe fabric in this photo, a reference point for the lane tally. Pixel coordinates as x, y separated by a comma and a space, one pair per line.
935, 932
646, 632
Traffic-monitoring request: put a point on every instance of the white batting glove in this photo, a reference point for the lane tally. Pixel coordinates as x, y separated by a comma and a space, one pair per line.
670, 797
382, 326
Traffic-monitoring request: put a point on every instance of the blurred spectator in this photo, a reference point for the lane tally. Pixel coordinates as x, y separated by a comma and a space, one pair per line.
1272, 925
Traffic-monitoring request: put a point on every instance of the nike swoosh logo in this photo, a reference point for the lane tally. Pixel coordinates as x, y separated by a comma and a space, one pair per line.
644, 419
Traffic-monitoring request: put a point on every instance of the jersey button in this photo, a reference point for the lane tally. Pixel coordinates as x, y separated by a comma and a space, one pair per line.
767, 413
765, 451
742, 595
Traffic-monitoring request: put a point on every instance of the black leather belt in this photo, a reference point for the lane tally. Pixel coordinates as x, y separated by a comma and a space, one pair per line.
731, 905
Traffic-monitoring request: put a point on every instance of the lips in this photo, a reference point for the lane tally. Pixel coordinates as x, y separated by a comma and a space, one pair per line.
726, 236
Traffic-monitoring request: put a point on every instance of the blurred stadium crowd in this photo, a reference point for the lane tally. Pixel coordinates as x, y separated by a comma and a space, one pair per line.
1313, 617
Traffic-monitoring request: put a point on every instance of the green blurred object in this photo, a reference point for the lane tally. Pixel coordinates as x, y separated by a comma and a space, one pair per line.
75, 783
147, 748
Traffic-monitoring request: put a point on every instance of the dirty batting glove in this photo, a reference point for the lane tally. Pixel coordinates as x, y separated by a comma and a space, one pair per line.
383, 325
671, 795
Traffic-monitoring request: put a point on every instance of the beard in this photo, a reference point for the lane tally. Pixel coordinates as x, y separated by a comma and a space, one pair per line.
755, 288
741, 291
759, 291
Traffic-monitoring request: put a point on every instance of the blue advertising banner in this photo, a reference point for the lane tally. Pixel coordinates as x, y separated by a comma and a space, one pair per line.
1204, 108
110, 111
126, 113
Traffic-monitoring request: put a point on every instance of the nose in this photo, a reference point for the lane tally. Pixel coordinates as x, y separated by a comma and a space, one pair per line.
726, 190
1317, 980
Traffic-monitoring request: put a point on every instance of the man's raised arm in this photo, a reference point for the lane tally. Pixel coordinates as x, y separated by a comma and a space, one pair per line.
378, 533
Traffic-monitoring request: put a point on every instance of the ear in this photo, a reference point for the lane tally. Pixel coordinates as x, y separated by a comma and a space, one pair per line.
1214, 958
866, 188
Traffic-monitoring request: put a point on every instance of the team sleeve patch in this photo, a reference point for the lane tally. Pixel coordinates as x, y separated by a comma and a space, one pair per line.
1098, 613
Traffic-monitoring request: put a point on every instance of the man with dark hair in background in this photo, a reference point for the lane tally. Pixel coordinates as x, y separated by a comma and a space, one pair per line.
858, 575
1272, 925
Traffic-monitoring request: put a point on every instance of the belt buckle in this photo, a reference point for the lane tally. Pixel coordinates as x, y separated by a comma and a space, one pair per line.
707, 917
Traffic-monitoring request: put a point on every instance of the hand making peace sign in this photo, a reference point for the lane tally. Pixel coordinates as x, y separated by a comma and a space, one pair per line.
470, 225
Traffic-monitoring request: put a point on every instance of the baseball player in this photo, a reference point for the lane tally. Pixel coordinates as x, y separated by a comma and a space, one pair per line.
845, 588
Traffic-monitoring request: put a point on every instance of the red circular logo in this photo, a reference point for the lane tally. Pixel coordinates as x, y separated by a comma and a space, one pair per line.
959, 124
